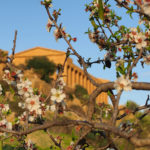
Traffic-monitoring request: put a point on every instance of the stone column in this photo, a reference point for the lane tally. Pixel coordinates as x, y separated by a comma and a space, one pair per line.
65, 74
79, 80
76, 77
67, 83
69, 76
86, 83
73, 77
83, 81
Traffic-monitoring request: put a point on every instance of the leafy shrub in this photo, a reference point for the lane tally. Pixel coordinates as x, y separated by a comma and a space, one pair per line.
81, 93
70, 96
131, 105
42, 66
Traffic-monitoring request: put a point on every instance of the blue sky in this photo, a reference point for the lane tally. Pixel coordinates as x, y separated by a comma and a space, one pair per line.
29, 18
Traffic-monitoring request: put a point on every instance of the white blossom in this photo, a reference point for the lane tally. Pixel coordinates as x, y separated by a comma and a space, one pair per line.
123, 83
57, 95
33, 103
31, 118
53, 108
140, 41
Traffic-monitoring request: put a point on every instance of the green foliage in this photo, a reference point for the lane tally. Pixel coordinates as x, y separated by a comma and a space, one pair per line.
145, 121
131, 105
70, 96
81, 93
42, 66
101, 10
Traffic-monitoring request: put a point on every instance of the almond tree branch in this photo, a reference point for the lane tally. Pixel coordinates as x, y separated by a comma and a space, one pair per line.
81, 137
14, 47
73, 50
110, 86
103, 126
135, 61
54, 141
115, 113
141, 12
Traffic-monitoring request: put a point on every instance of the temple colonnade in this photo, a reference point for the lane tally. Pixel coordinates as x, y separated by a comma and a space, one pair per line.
73, 76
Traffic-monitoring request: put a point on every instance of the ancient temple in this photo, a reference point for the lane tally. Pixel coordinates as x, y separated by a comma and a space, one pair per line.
73, 75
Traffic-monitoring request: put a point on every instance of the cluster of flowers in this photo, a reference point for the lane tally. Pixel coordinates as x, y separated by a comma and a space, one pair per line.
57, 33
5, 124
57, 94
145, 4
94, 36
11, 76
138, 37
34, 107
4, 108
33, 103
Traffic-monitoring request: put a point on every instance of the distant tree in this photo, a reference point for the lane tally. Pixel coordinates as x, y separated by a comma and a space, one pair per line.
43, 66
81, 93
131, 105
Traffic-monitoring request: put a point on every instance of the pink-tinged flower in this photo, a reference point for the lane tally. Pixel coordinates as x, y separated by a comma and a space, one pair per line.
33, 104
140, 41
147, 59
57, 95
5, 124
58, 35
123, 83
4, 107
49, 25
133, 33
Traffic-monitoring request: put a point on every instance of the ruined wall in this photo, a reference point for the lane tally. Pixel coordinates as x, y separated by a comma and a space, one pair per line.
73, 75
